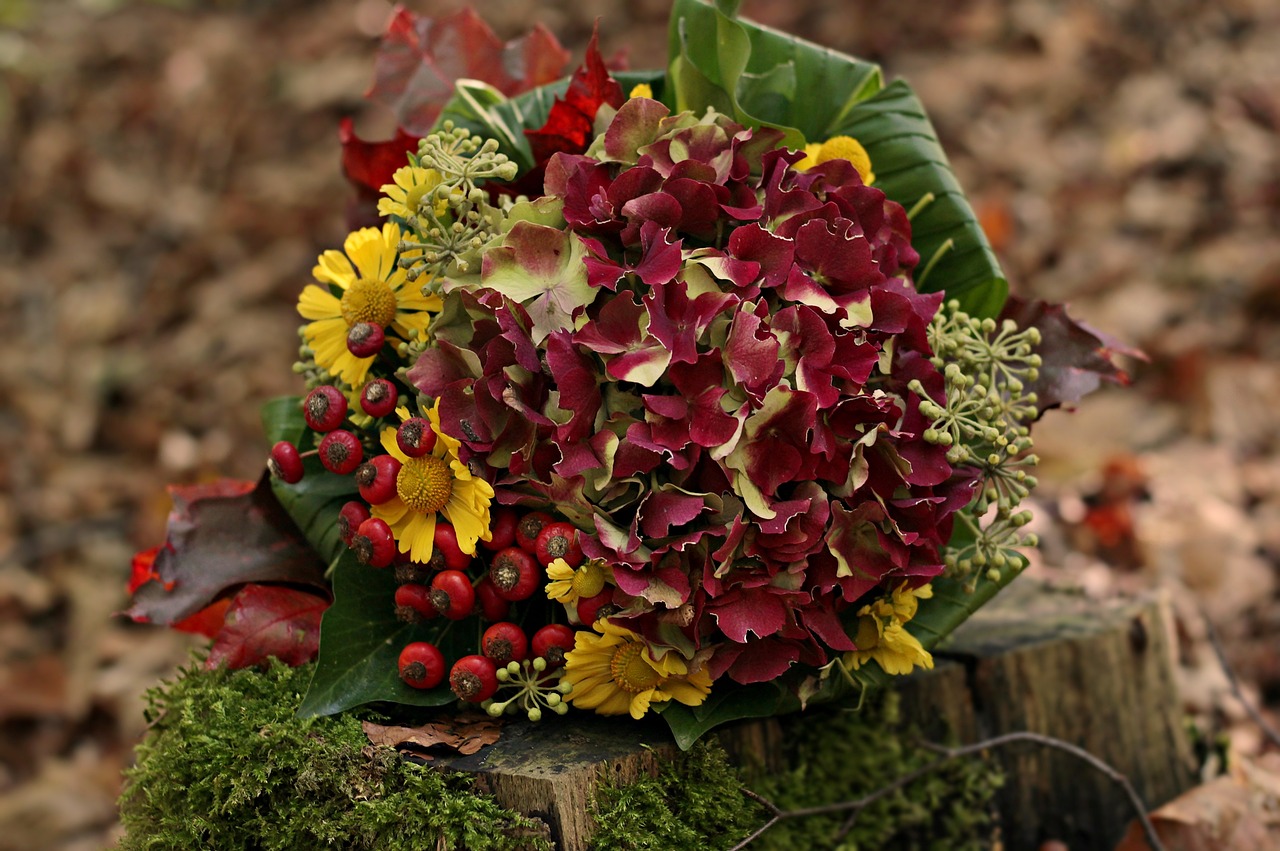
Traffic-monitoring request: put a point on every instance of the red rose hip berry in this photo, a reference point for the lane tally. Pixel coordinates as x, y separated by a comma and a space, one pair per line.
365, 339
374, 544
376, 479
502, 528
379, 398
493, 607
474, 678
421, 665
528, 528
445, 542
340, 452
325, 408
505, 642
552, 642
350, 516
515, 575
452, 594
415, 437
285, 463
414, 604
558, 540
591, 609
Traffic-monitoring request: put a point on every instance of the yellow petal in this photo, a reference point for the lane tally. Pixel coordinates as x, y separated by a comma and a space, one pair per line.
317, 303
333, 267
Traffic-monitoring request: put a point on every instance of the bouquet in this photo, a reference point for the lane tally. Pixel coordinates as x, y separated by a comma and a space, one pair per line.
695, 391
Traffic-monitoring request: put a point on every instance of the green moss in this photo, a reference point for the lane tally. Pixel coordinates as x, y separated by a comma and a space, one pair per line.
697, 801
227, 765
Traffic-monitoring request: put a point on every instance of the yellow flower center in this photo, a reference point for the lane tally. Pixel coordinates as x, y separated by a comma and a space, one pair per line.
630, 671
369, 301
425, 484
588, 580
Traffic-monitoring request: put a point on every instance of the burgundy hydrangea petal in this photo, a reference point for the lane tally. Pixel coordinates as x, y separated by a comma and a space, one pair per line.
679, 321
699, 205
661, 255
751, 352
661, 510
859, 545
636, 125
822, 620
576, 378
775, 254
755, 610
583, 185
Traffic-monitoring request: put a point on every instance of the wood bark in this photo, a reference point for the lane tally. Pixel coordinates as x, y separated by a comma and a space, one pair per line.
1096, 674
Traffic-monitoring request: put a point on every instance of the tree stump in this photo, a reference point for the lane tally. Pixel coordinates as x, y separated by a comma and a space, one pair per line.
1096, 674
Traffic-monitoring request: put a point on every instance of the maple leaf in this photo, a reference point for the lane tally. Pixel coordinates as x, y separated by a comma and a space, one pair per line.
268, 620
221, 536
570, 125
421, 58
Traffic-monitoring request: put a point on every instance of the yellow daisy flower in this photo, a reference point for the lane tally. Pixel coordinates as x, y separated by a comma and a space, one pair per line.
839, 148
404, 195
641, 90
616, 673
568, 585
373, 290
435, 485
882, 636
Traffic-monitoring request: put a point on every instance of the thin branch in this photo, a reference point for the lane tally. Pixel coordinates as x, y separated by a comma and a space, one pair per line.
1269, 731
947, 755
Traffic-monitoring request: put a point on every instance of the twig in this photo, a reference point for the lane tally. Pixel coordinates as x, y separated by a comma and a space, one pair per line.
1269, 731
947, 755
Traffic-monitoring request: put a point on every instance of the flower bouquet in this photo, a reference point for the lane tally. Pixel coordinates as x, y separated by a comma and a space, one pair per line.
694, 391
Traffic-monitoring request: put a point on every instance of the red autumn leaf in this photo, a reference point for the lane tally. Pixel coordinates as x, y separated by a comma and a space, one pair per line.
221, 536
1075, 359
421, 58
570, 125
269, 620
370, 165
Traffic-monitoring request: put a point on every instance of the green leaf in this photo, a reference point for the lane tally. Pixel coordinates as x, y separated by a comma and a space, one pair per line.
760, 76
360, 644
950, 605
910, 165
733, 703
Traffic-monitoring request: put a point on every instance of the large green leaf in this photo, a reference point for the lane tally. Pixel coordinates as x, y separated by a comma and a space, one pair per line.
763, 77
360, 644
910, 165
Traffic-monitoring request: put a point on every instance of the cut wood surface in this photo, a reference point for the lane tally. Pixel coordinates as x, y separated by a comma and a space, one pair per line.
1095, 674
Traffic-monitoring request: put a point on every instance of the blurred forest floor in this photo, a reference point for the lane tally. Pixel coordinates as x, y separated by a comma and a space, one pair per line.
169, 171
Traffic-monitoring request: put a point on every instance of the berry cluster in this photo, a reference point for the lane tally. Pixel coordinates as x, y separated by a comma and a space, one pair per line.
488, 588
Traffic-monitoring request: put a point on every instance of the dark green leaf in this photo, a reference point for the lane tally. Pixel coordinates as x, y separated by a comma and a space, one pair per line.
360, 644
728, 703
910, 164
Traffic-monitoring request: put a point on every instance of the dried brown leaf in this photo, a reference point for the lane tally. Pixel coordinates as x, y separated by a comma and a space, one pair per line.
465, 734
